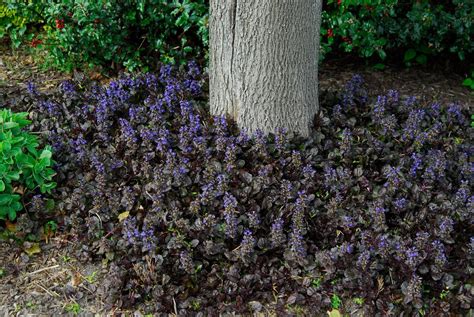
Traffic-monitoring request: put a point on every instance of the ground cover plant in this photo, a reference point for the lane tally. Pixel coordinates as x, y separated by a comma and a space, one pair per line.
372, 213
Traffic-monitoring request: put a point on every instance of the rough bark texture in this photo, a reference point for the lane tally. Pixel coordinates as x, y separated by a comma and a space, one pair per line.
264, 62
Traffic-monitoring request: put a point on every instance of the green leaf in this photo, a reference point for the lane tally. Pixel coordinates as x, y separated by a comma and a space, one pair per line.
13, 175
409, 55
468, 82
379, 66
10, 125
17, 206
382, 54
6, 199
2, 186
421, 59
47, 187
46, 154
50, 204
5, 146
11, 214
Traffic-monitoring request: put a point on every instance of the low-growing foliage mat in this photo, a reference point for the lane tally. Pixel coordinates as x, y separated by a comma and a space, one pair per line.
376, 205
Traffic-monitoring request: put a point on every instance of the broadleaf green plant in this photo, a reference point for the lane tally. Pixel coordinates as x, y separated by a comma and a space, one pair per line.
23, 164
469, 81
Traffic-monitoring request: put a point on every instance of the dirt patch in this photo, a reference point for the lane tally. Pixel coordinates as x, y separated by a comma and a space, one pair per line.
54, 281
434, 85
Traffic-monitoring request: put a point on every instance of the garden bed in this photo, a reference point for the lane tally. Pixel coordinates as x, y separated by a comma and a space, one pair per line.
373, 213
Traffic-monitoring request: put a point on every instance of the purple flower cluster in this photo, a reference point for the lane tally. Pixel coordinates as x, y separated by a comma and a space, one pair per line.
446, 226
335, 180
363, 260
127, 130
413, 257
98, 164
50, 107
248, 243
346, 141
68, 87
144, 238
230, 211
186, 262
260, 142
277, 234
354, 93
308, 171
435, 165
296, 242
400, 203
416, 165
393, 96
286, 190
281, 138
78, 146
412, 129
32, 89
439, 251
392, 175
454, 114
254, 219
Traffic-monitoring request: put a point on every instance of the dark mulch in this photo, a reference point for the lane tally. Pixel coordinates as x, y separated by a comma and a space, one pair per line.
434, 83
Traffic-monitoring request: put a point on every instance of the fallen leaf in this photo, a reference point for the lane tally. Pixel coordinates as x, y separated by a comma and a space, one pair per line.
33, 249
334, 313
10, 226
124, 215
76, 279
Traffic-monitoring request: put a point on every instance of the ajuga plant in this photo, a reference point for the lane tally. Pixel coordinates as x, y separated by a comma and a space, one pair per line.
375, 205
23, 165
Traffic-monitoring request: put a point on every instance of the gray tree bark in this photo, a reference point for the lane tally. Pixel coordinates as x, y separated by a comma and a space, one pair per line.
264, 62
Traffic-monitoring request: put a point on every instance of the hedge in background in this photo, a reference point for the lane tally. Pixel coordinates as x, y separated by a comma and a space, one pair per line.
417, 29
112, 34
126, 33
138, 34
16, 16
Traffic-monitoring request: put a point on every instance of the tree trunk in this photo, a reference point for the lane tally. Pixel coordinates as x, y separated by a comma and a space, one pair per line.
264, 62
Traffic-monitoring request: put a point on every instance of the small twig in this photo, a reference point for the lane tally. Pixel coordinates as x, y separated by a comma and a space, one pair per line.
44, 269
87, 289
175, 308
110, 232
53, 293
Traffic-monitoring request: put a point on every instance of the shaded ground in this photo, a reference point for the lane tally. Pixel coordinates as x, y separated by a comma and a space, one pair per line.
433, 84
60, 278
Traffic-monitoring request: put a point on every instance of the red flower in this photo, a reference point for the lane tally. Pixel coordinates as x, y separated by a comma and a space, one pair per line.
339, 2
36, 42
330, 33
69, 14
346, 39
59, 23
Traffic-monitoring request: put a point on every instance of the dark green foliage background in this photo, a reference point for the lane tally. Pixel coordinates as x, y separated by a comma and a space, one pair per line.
138, 34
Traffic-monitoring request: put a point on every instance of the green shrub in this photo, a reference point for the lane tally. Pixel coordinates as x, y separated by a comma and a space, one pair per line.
418, 29
140, 33
126, 33
16, 16
22, 164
